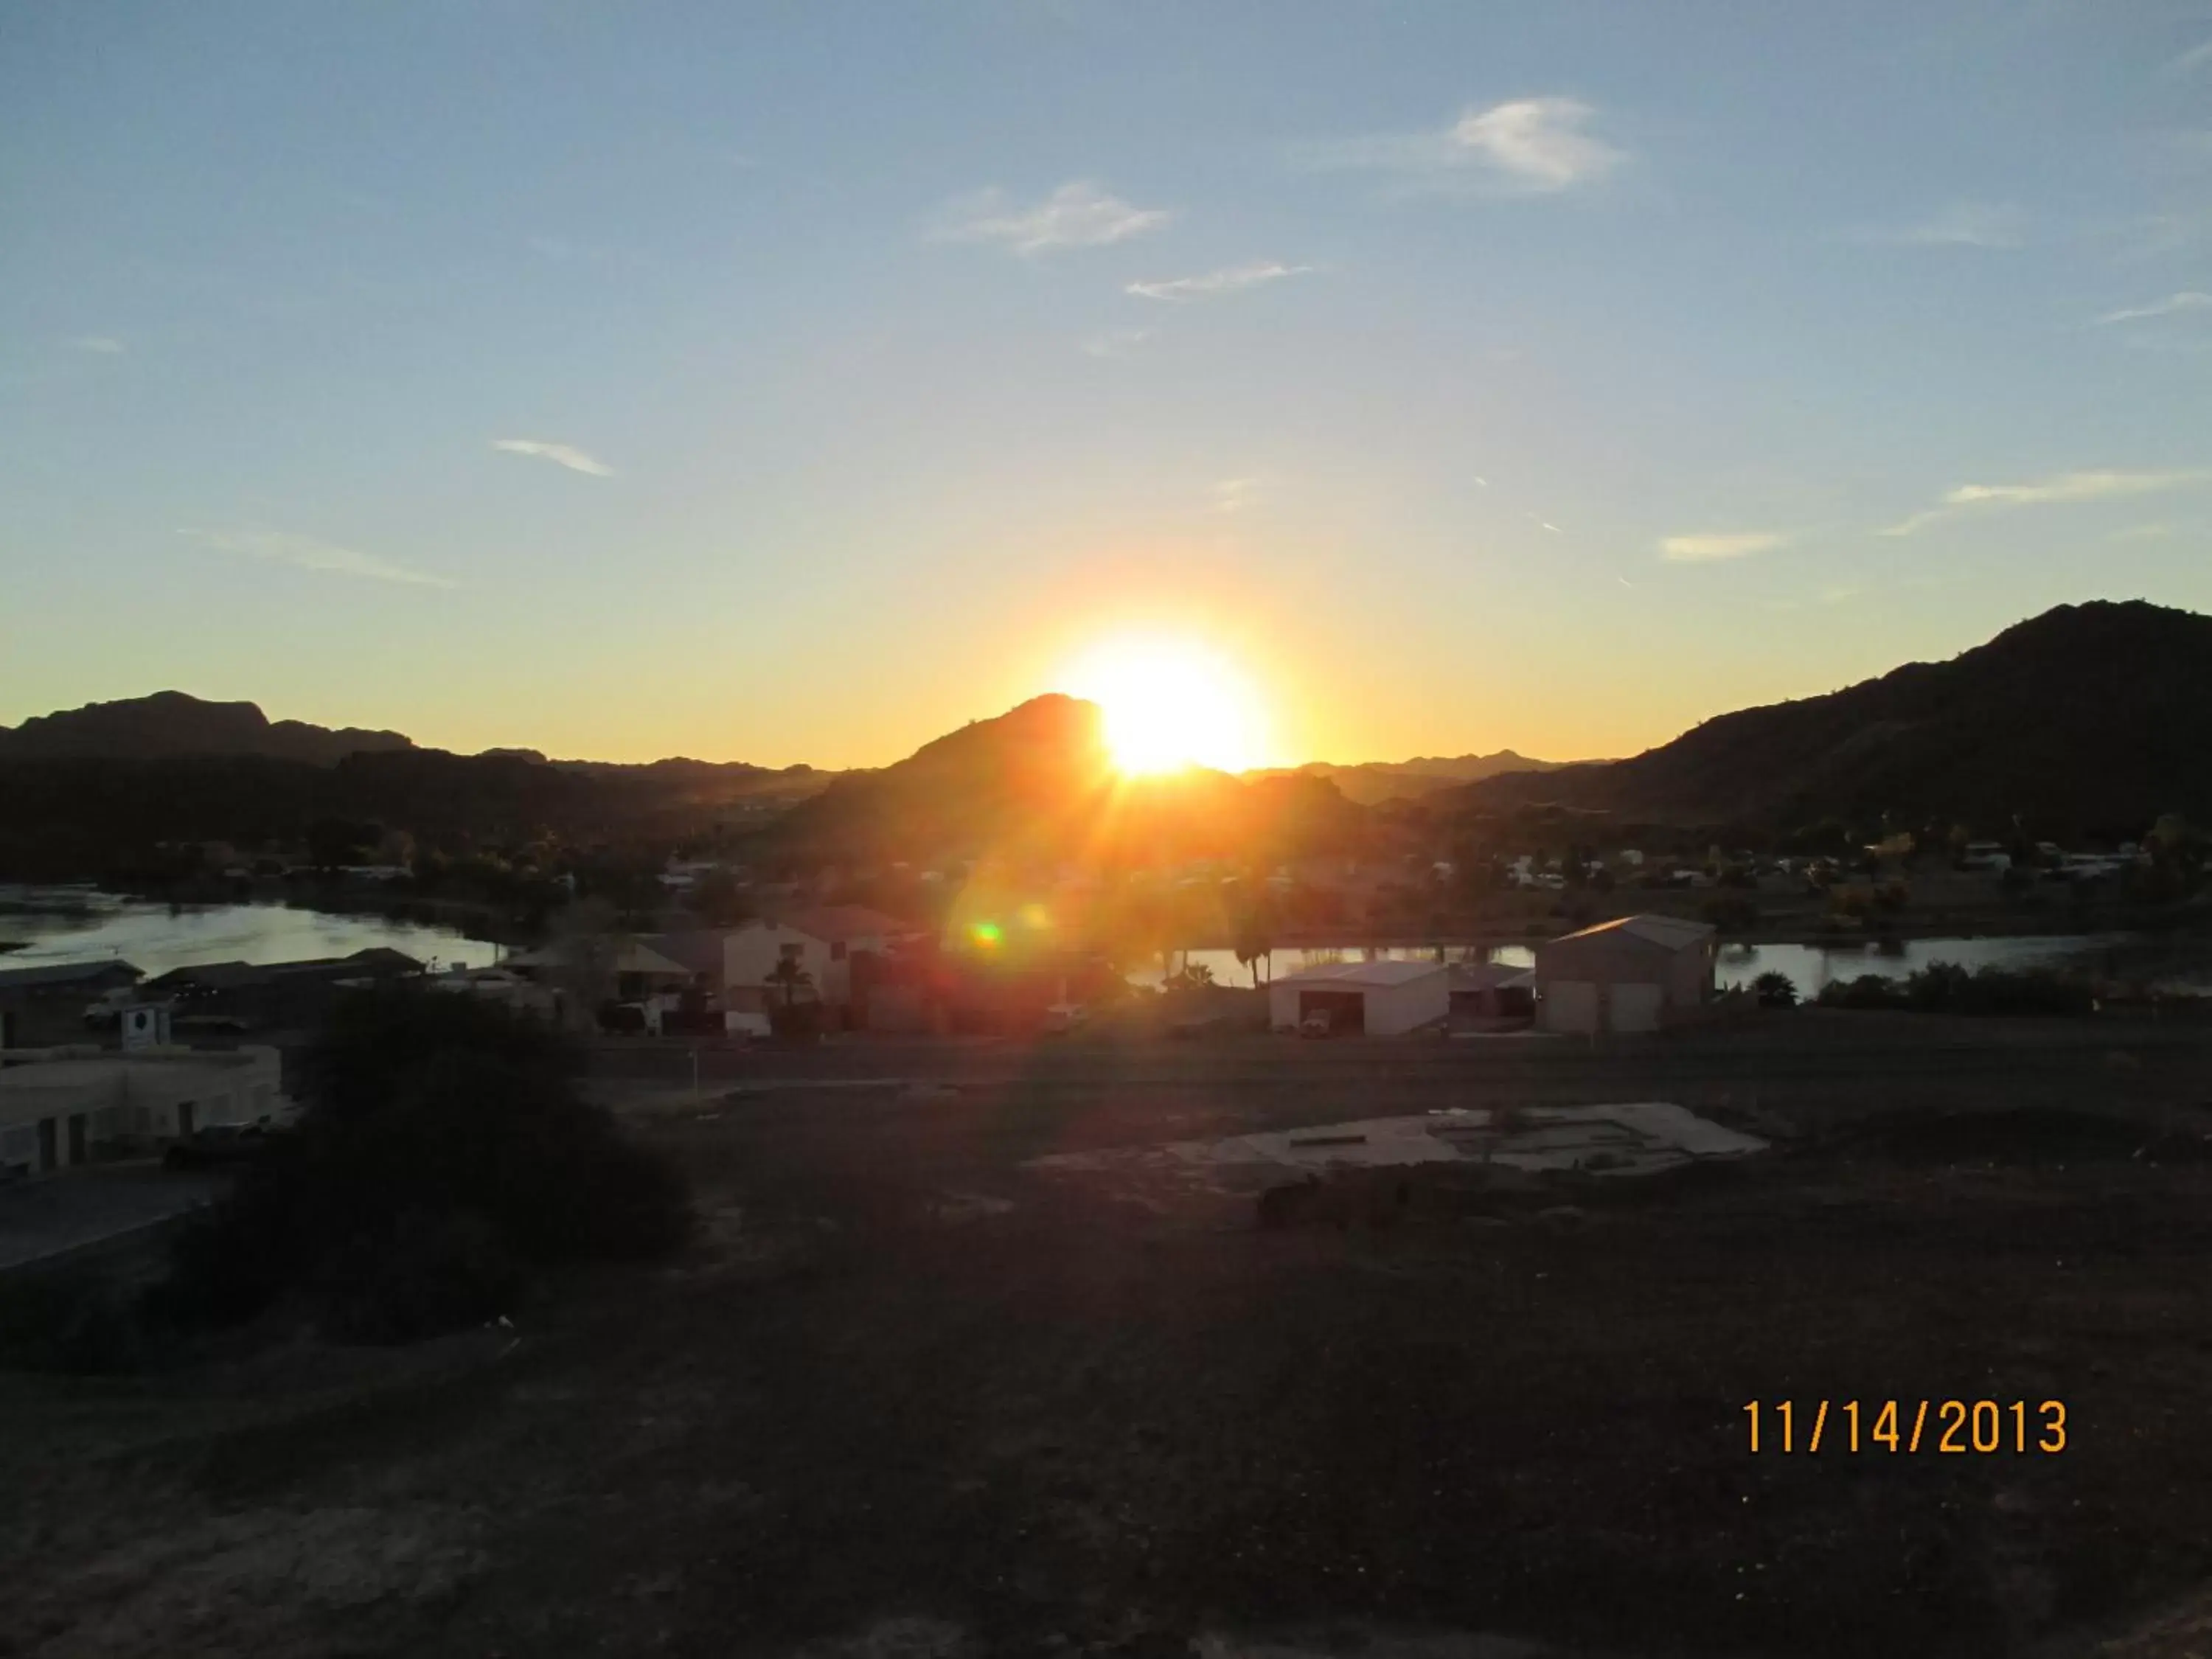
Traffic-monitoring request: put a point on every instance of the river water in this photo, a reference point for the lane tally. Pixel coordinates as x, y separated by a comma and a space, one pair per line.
79, 924
1809, 967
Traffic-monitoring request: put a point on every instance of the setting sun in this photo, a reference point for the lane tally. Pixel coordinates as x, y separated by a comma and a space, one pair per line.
1168, 704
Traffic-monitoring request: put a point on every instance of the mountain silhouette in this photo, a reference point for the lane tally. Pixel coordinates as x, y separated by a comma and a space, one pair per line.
1038, 785
172, 724
1372, 781
2087, 718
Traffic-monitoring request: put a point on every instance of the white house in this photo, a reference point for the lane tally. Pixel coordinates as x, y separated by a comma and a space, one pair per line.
1381, 999
1632, 973
822, 941
60, 1107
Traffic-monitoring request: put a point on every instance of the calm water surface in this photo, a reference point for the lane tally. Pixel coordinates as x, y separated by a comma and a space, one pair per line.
1808, 966
76, 924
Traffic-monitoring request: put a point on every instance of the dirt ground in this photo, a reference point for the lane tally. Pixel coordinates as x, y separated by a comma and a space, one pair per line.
910, 1396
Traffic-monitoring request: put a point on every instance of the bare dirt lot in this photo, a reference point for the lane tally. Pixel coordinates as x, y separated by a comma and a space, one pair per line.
910, 1395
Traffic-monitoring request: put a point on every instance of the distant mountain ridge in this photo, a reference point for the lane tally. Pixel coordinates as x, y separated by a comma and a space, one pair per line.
176, 726
173, 725
1372, 781
2089, 717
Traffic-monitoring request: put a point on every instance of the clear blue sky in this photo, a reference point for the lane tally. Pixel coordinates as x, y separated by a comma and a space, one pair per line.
1550, 375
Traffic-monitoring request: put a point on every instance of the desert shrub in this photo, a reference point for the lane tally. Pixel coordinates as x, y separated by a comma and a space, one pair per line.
1945, 987
434, 1272
445, 1150
1867, 991
75, 1324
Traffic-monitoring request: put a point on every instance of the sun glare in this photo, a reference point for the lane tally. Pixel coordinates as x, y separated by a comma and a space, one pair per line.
1169, 705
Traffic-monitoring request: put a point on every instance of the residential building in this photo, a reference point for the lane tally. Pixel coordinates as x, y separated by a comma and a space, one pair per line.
67, 1106
1379, 999
46, 1004
1632, 973
823, 941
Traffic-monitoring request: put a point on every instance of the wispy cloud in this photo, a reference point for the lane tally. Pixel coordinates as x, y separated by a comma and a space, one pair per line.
566, 455
1964, 224
106, 345
1115, 343
307, 553
1234, 280
1077, 215
2142, 532
2192, 60
1235, 495
1707, 548
2065, 488
2189, 299
1527, 146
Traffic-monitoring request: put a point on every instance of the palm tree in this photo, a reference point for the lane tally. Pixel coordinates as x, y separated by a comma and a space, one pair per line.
1252, 946
789, 975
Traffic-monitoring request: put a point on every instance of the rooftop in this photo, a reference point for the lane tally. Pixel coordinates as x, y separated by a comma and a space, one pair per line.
832, 922
62, 973
1668, 933
1486, 975
1361, 974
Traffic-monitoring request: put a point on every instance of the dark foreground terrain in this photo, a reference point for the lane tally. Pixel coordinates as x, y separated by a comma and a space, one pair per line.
909, 1397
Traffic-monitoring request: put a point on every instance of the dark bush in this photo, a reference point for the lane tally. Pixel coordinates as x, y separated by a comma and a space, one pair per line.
444, 1150
1775, 990
76, 1325
1945, 987
434, 1272
373, 1043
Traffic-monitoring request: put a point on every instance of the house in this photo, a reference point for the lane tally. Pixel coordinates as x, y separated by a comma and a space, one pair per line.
641, 971
241, 993
65, 980
1493, 990
1379, 998
823, 941
46, 1004
1632, 973
66, 1106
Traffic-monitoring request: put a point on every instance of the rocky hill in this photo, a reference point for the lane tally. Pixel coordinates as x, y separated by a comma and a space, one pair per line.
1372, 781
1038, 784
171, 724
2087, 718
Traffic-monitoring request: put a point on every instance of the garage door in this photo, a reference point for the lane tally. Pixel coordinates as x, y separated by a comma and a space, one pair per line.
1571, 1005
1347, 1010
1633, 1007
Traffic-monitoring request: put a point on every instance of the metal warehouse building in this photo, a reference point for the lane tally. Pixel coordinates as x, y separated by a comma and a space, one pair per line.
1632, 973
1382, 999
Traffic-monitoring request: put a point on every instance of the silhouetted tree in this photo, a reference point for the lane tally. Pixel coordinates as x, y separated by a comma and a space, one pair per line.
790, 978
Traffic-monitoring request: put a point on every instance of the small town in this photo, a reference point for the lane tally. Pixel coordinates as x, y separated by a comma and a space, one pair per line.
1089, 829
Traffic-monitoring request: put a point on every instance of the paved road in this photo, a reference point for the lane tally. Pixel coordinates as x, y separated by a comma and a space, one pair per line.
79, 1208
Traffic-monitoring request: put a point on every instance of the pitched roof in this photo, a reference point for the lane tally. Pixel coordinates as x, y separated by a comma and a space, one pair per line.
62, 973
229, 975
698, 949
1362, 975
639, 957
832, 922
1489, 975
1668, 933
